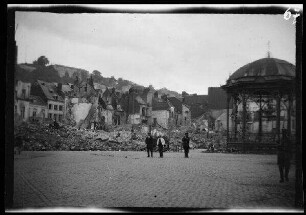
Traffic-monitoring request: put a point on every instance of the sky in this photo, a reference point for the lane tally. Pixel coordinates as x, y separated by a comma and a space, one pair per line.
182, 52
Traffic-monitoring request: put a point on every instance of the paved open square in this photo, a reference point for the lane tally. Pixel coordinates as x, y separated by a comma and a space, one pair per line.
112, 179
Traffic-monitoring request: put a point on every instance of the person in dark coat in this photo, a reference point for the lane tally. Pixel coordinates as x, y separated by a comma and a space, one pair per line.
284, 156
149, 143
186, 147
160, 144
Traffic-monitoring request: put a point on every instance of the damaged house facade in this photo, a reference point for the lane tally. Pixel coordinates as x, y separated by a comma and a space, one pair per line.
51, 96
137, 104
38, 109
199, 109
168, 112
22, 100
82, 103
208, 112
110, 107
217, 102
182, 113
94, 108
162, 113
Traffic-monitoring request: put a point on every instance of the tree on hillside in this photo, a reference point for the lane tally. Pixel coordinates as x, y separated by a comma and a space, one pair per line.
184, 93
83, 75
41, 61
48, 74
67, 79
96, 76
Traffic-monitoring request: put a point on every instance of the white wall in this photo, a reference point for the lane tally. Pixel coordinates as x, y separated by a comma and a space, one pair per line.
161, 116
21, 103
187, 115
20, 86
39, 111
215, 113
57, 112
221, 121
80, 111
108, 116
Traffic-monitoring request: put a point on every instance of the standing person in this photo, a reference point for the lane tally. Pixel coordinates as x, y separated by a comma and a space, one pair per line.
149, 142
186, 147
160, 144
284, 156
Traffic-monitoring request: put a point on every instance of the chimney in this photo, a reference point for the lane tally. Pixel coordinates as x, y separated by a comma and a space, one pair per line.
59, 87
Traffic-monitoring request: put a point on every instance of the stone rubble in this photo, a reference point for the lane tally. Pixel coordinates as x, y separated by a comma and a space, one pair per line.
43, 137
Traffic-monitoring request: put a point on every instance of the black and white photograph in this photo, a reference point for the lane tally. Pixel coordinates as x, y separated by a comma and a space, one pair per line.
154, 108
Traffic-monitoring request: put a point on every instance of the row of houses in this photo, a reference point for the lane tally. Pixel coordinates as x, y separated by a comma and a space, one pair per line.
90, 106
38, 101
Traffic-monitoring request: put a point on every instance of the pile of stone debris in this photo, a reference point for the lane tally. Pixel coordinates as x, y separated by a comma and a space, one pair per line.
43, 137
198, 139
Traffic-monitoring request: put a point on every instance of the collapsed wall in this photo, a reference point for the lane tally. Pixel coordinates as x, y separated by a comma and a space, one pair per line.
91, 116
80, 112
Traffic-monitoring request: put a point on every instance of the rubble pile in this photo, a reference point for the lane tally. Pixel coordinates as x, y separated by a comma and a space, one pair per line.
198, 139
42, 137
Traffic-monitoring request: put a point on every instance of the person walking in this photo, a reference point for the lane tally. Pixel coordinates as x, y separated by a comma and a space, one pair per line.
186, 147
284, 156
160, 144
149, 143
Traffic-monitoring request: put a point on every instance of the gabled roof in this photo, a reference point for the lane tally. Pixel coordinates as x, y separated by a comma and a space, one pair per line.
160, 105
36, 100
107, 93
50, 90
176, 103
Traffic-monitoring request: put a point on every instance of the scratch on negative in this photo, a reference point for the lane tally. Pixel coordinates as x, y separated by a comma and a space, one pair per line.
109, 172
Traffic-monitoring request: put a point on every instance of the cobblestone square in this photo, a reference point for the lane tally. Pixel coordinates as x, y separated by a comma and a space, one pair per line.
116, 179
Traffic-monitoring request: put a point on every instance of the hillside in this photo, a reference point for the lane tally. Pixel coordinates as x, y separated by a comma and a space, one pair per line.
65, 74
170, 93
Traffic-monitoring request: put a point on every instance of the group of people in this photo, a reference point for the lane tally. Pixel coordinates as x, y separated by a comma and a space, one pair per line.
161, 142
